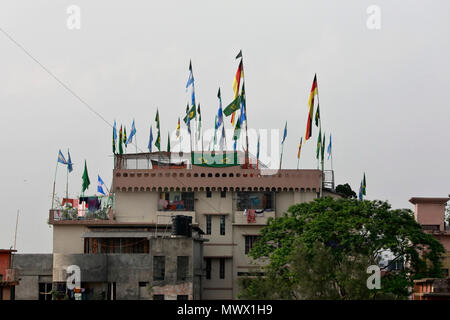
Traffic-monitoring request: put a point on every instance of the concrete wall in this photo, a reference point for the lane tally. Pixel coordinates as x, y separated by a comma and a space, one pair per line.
67, 238
31, 270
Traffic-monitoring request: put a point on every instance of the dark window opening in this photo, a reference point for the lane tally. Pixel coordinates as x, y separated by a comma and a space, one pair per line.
182, 267
250, 242
158, 297
182, 297
208, 193
222, 268
222, 225
176, 201
208, 268
255, 200
159, 268
45, 291
208, 224
116, 245
223, 194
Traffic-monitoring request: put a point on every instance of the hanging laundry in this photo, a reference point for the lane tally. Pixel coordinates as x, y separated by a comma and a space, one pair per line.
251, 216
259, 212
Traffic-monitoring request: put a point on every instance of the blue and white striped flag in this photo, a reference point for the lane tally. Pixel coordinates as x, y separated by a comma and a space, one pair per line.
61, 158
100, 186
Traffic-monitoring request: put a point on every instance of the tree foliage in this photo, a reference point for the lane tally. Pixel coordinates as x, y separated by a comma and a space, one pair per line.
345, 190
321, 250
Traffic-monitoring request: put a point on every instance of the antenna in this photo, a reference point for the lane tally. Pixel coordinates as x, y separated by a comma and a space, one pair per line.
15, 233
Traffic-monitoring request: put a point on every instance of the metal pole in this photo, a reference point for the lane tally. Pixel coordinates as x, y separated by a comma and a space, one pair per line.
54, 183
15, 233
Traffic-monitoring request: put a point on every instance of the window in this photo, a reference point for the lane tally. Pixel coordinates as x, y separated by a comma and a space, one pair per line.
208, 224
158, 297
249, 243
223, 194
222, 268
208, 268
159, 267
176, 201
182, 297
208, 193
445, 273
222, 225
255, 200
44, 291
116, 245
182, 267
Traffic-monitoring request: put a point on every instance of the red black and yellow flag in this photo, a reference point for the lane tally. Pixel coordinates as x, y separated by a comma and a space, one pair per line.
311, 108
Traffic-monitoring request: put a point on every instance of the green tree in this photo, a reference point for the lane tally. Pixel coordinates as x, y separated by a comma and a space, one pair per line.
321, 250
345, 190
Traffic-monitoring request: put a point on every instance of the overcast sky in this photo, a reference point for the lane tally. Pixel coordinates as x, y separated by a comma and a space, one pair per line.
383, 93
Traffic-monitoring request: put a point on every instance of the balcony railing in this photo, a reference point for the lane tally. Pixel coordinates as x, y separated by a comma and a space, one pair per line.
255, 217
77, 214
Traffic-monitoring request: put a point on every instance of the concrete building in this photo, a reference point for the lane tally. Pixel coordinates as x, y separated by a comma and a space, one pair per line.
430, 213
124, 247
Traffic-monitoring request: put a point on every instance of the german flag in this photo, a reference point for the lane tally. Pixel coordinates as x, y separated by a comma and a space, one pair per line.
311, 108
237, 79
299, 148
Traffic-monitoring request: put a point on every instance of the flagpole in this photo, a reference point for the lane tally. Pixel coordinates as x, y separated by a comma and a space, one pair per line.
320, 124
245, 110
281, 157
54, 184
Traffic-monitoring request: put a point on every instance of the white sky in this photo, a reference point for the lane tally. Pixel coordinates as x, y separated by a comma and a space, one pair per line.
383, 93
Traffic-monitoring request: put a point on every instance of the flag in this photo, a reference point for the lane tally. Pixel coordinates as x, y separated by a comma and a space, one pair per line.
317, 117
239, 55
125, 136
360, 194
222, 139
237, 130
190, 82
199, 122
158, 141
120, 141
115, 131
100, 185
243, 108
257, 151
234, 145
168, 141
61, 158
215, 130
113, 143
284, 133
364, 184
191, 114
299, 148
232, 107
150, 140
69, 162
86, 181
157, 119
132, 133
233, 118
219, 112
178, 128
187, 119
191, 76
319, 142
311, 108
114, 137
329, 148
237, 79
322, 149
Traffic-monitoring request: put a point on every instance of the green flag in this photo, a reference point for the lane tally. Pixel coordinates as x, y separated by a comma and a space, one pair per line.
114, 143
322, 147
192, 114
157, 119
158, 141
319, 142
168, 141
199, 128
364, 184
86, 181
317, 118
233, 106
120, 141
237, 129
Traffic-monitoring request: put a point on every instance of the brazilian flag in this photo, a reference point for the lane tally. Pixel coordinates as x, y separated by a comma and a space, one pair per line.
158, 141
237, 129
233, 106
192, 114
